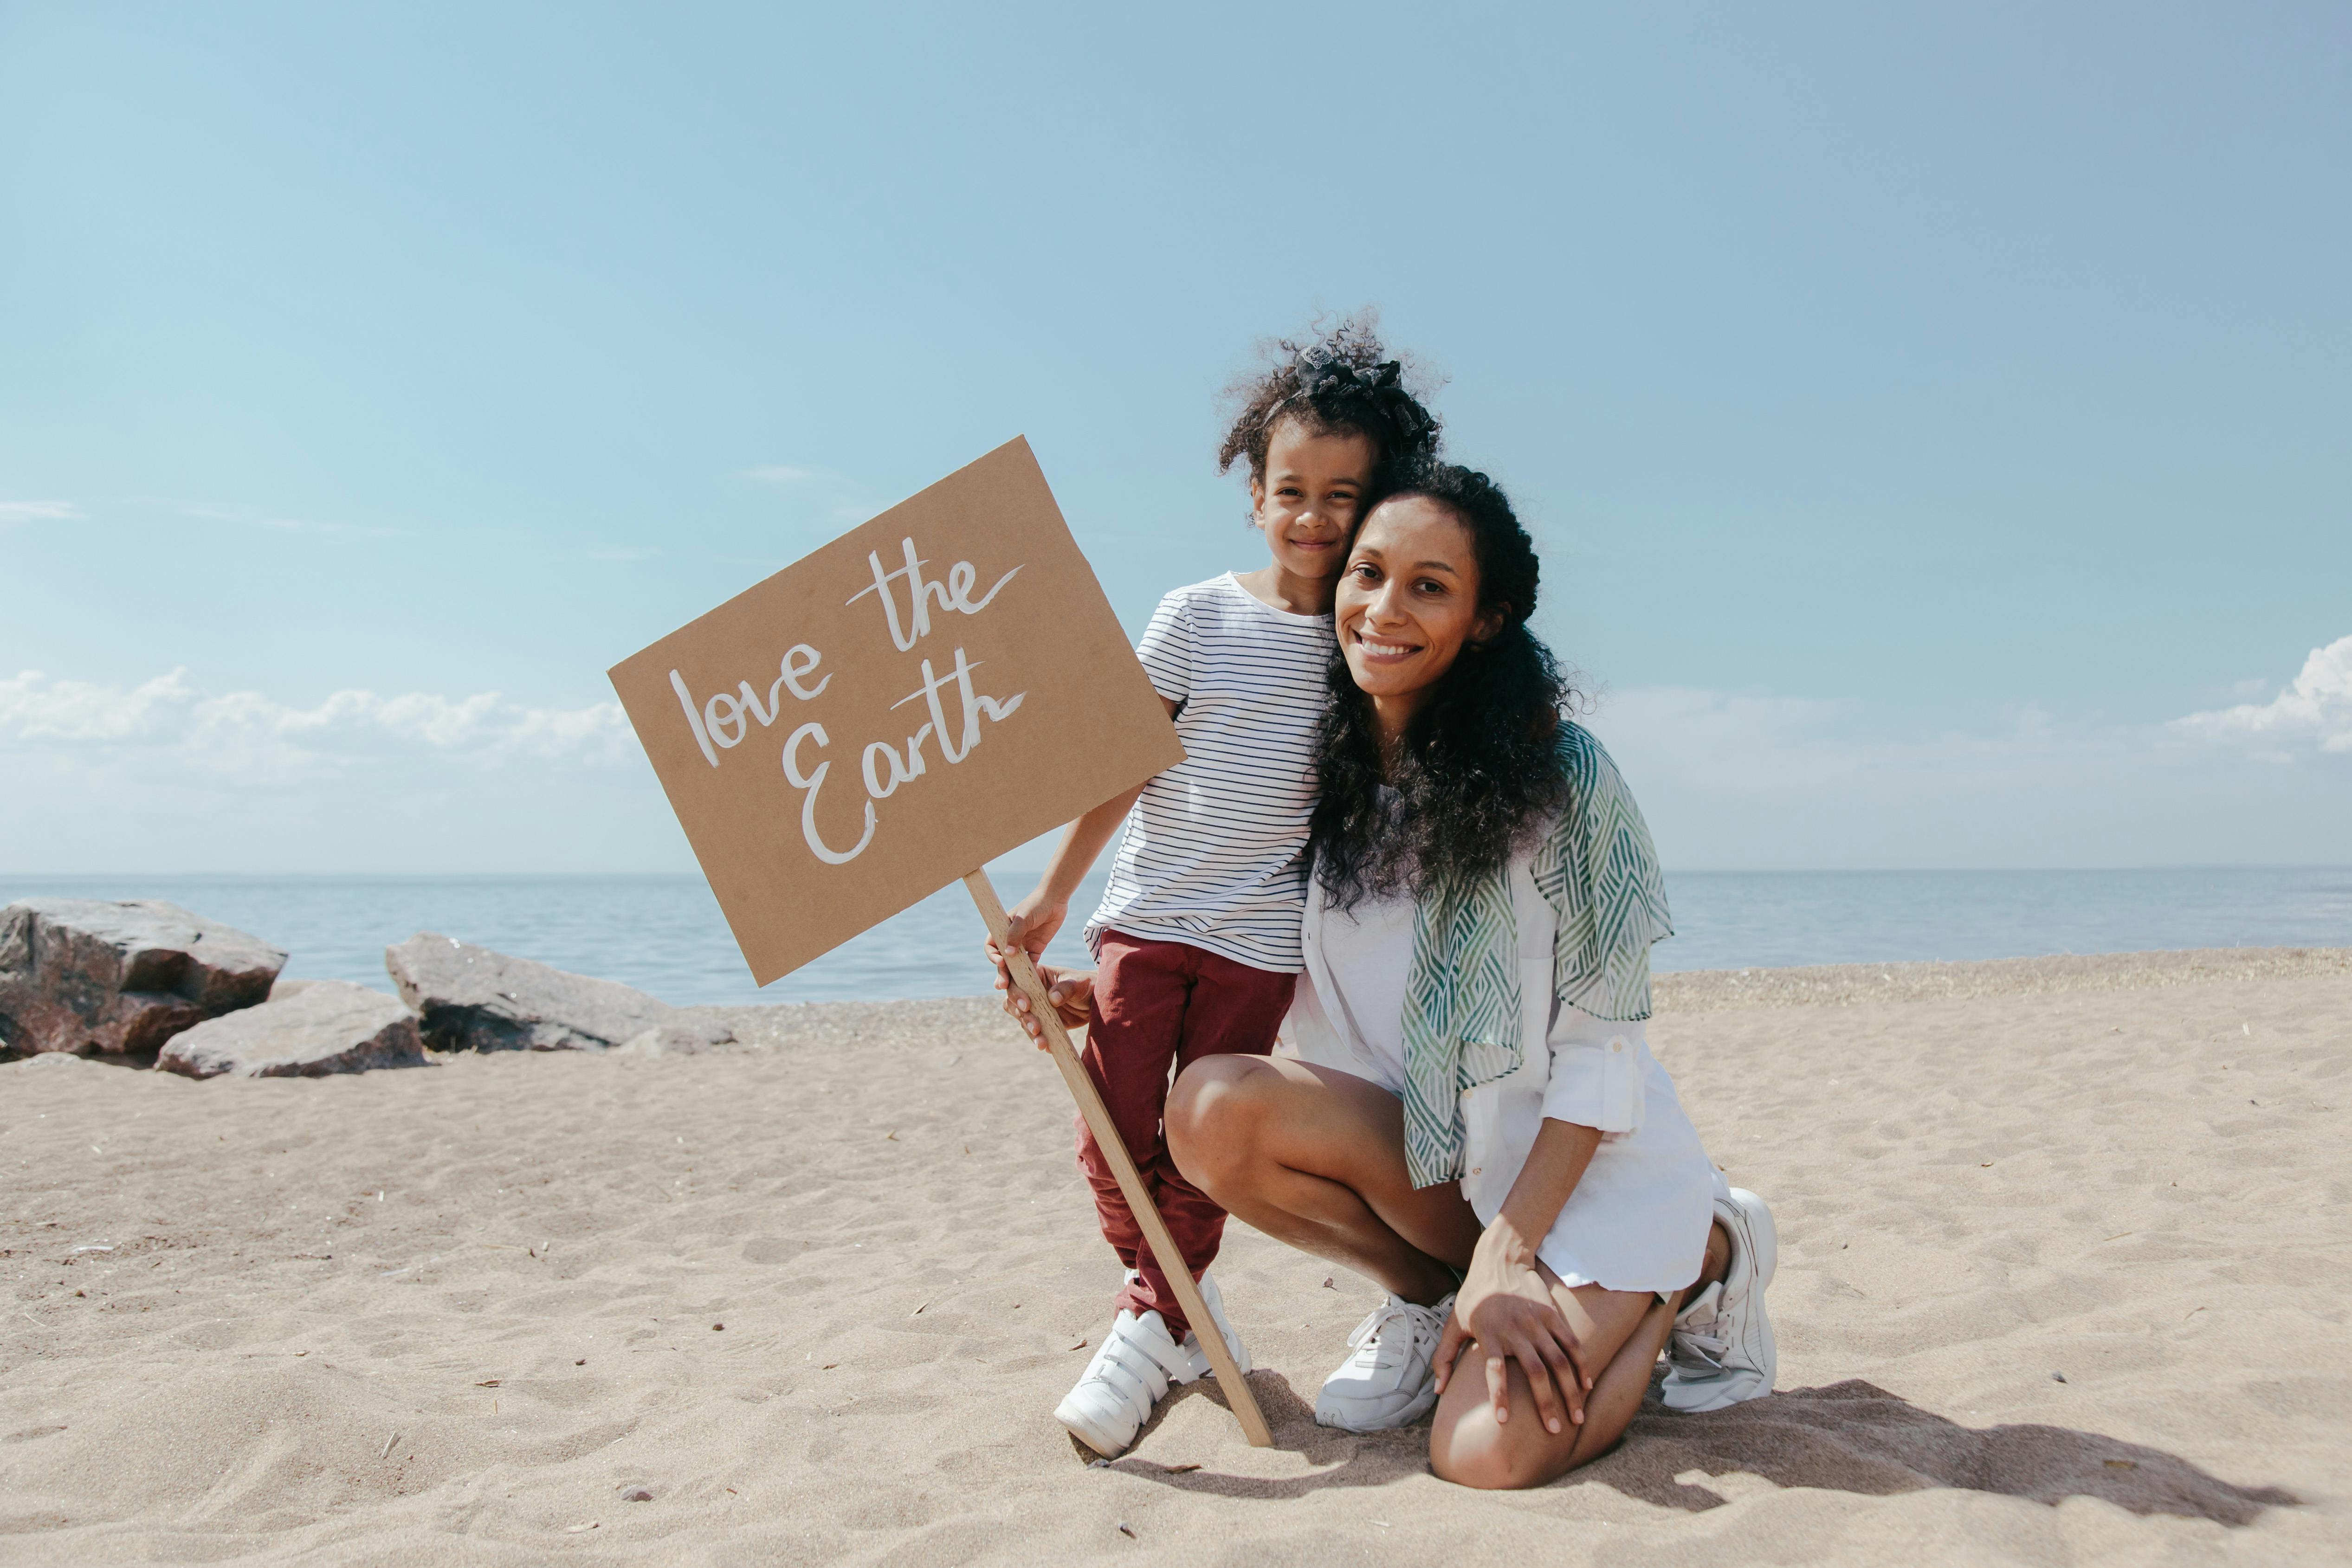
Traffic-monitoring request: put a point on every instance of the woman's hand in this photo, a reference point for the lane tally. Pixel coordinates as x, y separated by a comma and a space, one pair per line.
1072, 992
1506, 1304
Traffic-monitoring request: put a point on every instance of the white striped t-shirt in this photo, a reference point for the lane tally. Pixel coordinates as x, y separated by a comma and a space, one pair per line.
1214, 850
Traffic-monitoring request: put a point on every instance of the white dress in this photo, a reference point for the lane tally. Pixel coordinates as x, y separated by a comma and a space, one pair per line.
1639, 1216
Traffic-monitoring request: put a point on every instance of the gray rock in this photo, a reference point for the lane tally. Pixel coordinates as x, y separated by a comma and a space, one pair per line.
667, 1040
475, 999
92, 977
325, 1026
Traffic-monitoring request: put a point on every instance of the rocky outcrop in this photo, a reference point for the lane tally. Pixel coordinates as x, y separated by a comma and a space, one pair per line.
322, 1027
472, 998
96, 978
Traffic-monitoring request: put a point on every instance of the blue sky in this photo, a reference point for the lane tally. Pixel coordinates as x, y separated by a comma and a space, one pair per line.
1936, 424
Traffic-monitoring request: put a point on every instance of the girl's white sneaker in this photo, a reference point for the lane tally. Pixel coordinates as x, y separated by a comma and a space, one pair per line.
1390, 1379
1216, 1302
1131, 1370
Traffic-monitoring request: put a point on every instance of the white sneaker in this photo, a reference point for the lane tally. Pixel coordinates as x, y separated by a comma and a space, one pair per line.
1722, 1351
1391, 1378
1131, 1369
1196, 1360
1199, 1357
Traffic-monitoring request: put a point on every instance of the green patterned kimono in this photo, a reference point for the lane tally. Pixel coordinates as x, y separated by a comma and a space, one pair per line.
1599, 871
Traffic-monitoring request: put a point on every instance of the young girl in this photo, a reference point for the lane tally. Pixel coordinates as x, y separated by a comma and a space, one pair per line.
1196, 940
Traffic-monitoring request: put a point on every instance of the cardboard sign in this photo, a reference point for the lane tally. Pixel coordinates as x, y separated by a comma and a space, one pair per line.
929, 690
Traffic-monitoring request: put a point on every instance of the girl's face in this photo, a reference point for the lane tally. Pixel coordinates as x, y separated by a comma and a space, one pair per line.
1305, 504
1408, 601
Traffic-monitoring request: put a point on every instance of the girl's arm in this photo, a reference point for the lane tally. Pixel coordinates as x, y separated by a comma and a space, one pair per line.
1505, 1303
1031, 923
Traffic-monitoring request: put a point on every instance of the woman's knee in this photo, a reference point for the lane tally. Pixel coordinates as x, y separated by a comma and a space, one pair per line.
1469, 1447
1500, 1459
1475, 1450
1210, 1115
1486, 1466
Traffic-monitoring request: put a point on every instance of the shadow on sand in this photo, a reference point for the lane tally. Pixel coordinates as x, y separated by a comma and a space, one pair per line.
1851, 1436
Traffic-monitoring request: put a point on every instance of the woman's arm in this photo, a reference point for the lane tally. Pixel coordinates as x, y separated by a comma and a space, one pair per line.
1505, 1303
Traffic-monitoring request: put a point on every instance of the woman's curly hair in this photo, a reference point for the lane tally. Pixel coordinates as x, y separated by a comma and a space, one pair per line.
1475, 772
1335, 381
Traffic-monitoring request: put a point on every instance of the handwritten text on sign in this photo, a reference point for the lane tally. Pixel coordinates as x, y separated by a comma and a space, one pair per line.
722, 721
963, 615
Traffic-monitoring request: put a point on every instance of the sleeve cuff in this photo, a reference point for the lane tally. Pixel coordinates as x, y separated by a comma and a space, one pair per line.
1597, 1086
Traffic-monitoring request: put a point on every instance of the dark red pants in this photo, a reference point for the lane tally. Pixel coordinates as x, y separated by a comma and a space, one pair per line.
1160, 1007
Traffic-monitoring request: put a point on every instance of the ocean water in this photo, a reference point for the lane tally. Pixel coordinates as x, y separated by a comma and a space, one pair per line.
665, 934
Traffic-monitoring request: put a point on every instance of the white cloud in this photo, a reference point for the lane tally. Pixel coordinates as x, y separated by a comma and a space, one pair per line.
2316, 707
1734, 782
250, 517
242, 516
39, 511
1785, 747
834, 495
34, 707
250, 735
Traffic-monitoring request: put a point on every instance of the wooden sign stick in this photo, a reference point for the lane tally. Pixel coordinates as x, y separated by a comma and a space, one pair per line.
1122, 1164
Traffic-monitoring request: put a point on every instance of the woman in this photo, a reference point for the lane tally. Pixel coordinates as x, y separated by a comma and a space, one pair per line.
1472, 1116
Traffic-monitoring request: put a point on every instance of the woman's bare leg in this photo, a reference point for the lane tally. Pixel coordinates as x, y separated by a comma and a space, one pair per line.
1315, 1158
1478, 1451
1469, 1447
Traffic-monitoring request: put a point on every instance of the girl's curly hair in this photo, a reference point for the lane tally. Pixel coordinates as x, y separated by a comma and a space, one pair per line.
1475, 771
1335, 381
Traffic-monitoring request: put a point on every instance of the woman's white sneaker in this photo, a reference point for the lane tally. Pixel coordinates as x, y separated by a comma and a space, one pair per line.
1391, 1377
1722, 1350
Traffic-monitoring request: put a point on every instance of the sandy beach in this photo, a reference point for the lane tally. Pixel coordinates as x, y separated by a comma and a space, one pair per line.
2066, 1245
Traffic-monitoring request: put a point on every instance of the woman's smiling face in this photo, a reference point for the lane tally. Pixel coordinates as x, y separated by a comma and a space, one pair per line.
1407, 602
